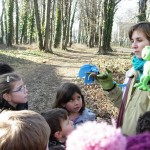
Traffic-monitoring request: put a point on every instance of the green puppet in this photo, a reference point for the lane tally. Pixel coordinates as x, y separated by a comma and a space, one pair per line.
145, 78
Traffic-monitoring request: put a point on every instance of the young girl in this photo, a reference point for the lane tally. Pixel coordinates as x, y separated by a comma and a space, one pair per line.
6, 68
69, 96
12, 91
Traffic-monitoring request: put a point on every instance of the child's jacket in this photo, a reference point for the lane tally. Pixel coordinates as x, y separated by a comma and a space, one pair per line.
87, 115
4, 105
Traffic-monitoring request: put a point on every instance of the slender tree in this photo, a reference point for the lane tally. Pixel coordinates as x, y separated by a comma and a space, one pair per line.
38, 25
24, 20
31, 26
10, 7
142, 10
68, 23
47, 27
17, 20
72, 22
109, 9
2, 23
58, 25
52, 25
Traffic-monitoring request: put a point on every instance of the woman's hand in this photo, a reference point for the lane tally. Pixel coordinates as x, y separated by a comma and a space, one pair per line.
105, 79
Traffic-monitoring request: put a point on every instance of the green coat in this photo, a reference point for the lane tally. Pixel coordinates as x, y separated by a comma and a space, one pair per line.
138, 102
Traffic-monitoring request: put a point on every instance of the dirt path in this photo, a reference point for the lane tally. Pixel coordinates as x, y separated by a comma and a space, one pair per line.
44, 73
43, 79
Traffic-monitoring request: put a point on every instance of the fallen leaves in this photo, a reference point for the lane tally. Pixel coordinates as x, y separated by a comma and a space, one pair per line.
94, 95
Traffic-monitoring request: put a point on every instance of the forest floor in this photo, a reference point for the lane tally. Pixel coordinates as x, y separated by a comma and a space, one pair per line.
43, 73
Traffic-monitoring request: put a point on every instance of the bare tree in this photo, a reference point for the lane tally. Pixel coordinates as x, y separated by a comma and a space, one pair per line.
38, 24
47, 27
142, 10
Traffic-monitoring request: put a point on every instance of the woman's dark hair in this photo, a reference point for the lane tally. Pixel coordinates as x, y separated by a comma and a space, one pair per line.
65, 93
141, 26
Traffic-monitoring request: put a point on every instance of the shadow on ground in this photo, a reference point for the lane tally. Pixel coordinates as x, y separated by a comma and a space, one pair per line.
41, 79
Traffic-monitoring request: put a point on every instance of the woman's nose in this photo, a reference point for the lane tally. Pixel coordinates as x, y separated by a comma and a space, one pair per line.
134, 45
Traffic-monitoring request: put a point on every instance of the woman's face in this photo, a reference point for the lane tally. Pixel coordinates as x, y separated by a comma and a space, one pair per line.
139, 41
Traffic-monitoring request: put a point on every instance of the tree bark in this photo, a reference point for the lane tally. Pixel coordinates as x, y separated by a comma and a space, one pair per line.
72, 22
17, 20
47, 27
142, 10
58, 26
10, 7
38, 25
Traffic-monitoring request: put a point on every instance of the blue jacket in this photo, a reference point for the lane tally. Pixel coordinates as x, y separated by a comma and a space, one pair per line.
87, 115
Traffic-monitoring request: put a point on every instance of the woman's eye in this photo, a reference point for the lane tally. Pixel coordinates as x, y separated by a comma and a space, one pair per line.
132, 41
139, 40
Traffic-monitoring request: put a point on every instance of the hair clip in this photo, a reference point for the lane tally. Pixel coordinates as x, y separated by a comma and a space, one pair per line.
8, 79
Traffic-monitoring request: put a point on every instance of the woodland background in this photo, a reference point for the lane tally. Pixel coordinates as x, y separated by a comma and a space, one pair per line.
47, 41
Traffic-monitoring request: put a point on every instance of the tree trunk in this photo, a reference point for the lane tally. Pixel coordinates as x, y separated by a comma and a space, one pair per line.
52, 24
23, 38
47, 27
58, 26
43, 13
72, 21
10, 7
68, 23
38, 25
32, 21
108, 12
65, 18
2, 25
142, 10
17, 20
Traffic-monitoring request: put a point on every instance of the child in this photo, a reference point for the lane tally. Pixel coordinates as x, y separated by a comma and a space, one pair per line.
5, 68
143, 123
12, 91
138, 142
69, 97
26, 130
96, 136
60, 126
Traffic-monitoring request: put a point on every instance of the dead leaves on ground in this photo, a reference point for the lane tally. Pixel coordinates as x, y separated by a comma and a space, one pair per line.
94, 95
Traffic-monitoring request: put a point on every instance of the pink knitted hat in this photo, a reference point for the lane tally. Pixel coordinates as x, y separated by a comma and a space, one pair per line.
96, 136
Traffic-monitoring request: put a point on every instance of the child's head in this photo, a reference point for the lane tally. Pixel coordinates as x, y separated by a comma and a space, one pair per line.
5, 68
59, 123
139, 142
12, 90
23, 130
143, 123
96, 136
69, 96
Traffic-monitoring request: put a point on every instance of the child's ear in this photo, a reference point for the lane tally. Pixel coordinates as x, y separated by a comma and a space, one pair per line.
7, 97
58, 134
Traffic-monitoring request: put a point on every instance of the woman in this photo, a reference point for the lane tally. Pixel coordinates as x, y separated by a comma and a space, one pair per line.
134, 101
